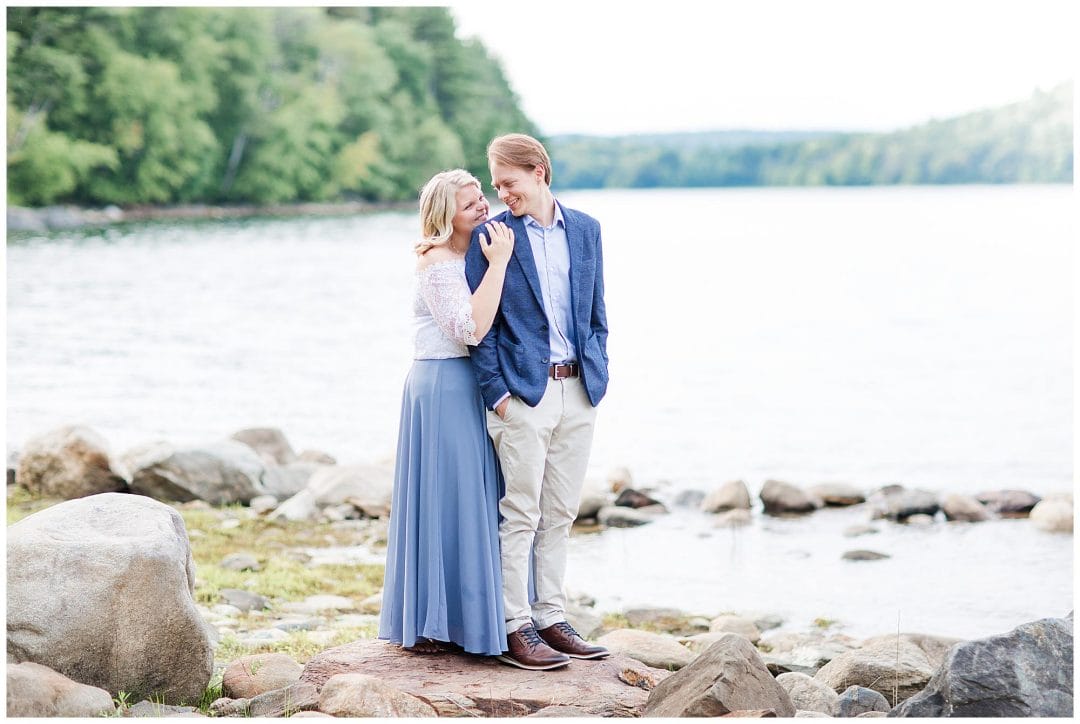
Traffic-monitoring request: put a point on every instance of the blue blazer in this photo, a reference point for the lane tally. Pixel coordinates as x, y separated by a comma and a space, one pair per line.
514, 356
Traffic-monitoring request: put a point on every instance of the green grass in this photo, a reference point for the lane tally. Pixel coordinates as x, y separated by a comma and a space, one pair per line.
299, 646
21, 503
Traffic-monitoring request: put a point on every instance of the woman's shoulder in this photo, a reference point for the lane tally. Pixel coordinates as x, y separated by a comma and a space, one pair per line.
437, 256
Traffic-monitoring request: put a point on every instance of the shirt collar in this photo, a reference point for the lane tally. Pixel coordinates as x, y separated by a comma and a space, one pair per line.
557, 220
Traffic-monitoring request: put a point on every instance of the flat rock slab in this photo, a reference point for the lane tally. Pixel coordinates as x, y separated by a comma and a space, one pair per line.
467, 685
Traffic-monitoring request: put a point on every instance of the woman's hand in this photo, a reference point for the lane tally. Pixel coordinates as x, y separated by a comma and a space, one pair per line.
498, 250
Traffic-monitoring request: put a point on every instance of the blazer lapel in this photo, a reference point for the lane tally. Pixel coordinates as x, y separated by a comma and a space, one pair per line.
524, 255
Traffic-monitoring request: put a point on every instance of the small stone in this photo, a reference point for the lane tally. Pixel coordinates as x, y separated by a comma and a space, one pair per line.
263, 504
864, 555
857, 530
920, 520
244, 600
240, 562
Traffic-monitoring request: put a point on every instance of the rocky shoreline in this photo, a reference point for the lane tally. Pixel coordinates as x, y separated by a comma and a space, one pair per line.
241, 578
59, 218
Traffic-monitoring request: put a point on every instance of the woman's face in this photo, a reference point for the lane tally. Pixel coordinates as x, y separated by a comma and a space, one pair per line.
472, 210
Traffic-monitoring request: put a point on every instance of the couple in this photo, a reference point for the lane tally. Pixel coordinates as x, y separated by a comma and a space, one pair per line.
511, 327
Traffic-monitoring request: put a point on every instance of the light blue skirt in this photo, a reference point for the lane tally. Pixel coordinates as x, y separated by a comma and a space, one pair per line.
443, 576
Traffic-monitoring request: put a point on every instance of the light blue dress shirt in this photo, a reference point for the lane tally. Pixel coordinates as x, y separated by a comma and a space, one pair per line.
551, 252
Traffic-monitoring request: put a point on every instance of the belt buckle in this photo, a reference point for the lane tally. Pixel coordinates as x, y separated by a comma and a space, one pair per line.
555, 372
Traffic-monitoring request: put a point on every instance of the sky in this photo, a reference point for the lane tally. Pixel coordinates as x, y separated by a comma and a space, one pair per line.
877, 65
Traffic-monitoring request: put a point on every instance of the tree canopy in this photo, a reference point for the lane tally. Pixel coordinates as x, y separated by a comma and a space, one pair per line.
158, 105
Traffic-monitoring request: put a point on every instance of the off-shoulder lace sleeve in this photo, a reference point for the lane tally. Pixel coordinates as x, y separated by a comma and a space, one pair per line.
446, 293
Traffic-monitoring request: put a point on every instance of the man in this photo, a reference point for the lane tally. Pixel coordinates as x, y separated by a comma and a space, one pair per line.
542, 370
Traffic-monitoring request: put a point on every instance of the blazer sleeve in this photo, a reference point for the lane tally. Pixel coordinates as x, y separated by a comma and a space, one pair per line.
484, 356
599, 311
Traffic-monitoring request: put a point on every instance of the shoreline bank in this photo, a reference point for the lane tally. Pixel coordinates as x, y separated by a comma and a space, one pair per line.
22, 219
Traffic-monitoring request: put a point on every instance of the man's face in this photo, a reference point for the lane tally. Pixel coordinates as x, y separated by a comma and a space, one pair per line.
518, 188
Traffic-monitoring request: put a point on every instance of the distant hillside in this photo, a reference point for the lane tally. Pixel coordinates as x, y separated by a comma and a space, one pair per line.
1026, 142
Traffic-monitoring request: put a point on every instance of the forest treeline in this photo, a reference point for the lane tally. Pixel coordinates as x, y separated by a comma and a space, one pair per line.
1026, 142
157, 105
204, 105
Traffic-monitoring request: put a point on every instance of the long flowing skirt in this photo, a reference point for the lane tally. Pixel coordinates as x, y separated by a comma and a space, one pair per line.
443, 575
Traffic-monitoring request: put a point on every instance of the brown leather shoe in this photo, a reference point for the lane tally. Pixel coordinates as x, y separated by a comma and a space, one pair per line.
528, 651
563, 637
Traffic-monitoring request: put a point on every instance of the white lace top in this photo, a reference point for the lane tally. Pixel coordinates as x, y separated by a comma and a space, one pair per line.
442, 312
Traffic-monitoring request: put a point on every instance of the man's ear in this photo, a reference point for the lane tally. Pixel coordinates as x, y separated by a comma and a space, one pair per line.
539, 171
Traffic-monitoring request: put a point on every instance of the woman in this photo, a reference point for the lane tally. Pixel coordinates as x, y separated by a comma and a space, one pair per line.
443, 585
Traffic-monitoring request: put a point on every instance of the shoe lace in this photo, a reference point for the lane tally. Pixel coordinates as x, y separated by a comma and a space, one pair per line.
531, 635
567, 629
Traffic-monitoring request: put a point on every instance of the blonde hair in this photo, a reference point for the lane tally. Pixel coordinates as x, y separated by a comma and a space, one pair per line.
438, 205
517, 149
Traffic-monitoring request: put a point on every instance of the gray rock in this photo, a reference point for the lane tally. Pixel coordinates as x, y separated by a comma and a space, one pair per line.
1054, 514
1027, 672
620, 517
732, 495
884, 663
729, 676
149, 709
250, 676
317, 456
661, 618
729, 623
591, 502
269, 442
660, 651
219, 473
838, 494
360, 695
101, 589
263, 504
803, 653
964, 508
244, 600
782, 498
367, 487
1009, 503
240, 562
301, 696
68, 463
584, 620
871, 715
898, 503
689, 498
809, 714
631, 498
809, 694
292, 478
920, 520
864, 555
301, 506
34, 690
854, 531
858, 699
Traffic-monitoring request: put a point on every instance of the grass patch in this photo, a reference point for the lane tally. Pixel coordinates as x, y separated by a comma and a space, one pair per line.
300, 646
21, 503
825, 623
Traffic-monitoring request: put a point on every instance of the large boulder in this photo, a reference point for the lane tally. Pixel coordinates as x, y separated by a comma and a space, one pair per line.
269, 442
34, 690
1025, 673
885, 663
809, 694
781, 498
731, 623
732, 495
661, 651
466, 685
1054, 513
219, 473
100, 589
729, 676
68, 463
1009, 503
895, 502
368, 488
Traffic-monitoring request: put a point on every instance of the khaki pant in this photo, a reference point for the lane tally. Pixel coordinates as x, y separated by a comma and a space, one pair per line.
544, 451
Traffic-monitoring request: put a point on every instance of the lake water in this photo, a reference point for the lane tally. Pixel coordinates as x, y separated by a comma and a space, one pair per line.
920, 336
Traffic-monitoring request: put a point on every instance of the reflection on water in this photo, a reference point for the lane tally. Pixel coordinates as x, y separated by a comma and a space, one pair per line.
870, 336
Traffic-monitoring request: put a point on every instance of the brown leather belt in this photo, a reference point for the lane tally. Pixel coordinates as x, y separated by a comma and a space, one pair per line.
561, 372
